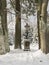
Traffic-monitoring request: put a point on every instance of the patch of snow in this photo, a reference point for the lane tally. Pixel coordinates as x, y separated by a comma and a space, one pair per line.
20, 57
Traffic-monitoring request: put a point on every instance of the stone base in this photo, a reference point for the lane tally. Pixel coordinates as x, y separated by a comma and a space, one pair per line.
26, 49
27, 46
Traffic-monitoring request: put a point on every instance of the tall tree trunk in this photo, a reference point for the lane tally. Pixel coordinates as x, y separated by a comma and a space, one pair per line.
43, 26
18, 26
38, 19
2, 46
4, 24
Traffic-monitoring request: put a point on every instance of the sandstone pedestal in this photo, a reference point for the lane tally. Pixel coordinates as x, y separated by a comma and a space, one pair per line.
26, 45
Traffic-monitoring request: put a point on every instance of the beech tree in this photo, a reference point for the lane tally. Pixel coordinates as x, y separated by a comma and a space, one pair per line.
18, 25
42, 25
3, 14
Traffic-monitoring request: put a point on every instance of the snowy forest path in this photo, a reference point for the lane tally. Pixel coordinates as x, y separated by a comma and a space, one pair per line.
20, 57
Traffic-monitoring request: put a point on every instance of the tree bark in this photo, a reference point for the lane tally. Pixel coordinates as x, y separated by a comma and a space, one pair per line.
43, 26
2, 46
4, 24
18, 26
38, 19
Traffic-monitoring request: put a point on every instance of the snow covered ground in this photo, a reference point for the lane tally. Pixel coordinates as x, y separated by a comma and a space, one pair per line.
20, 57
